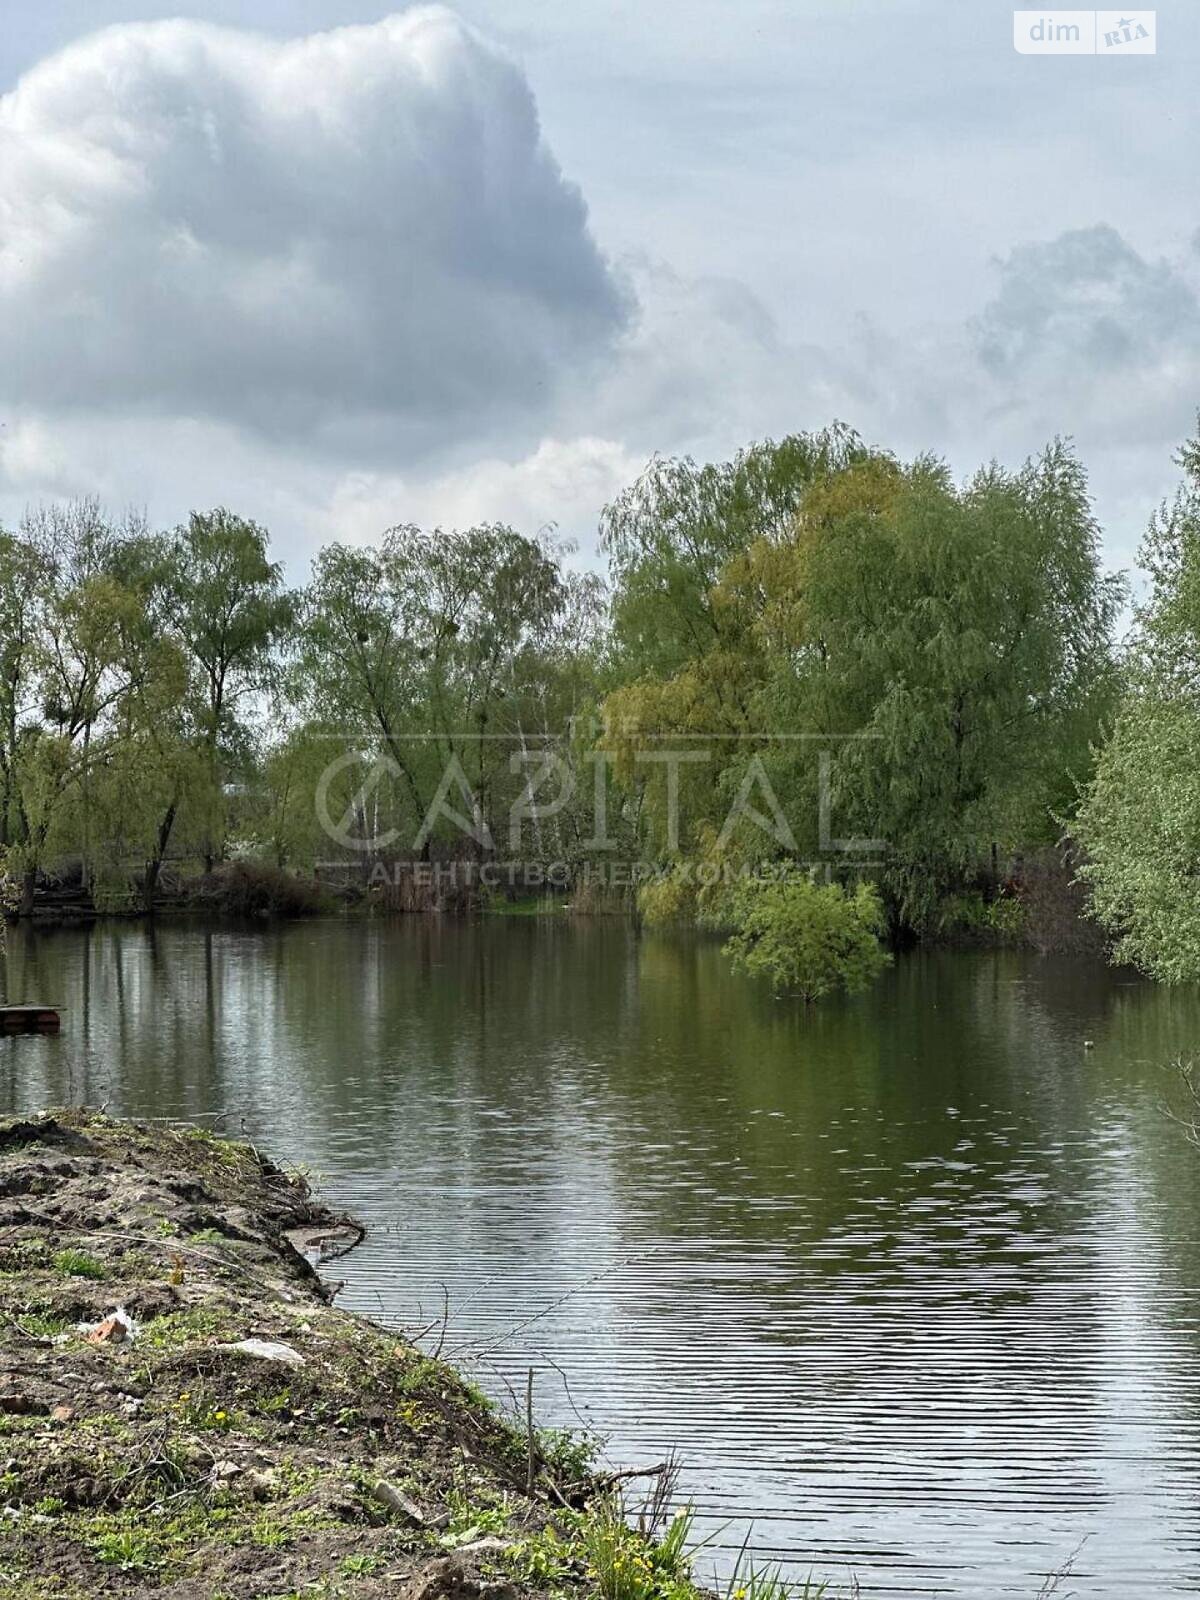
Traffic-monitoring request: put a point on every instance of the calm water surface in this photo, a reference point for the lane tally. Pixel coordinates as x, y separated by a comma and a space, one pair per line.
910, 1282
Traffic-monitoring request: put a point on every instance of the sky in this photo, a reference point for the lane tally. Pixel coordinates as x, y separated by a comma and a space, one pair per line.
341, 267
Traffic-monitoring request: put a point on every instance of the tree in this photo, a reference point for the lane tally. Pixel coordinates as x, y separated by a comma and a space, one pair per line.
81, 674
686, 657
24, 577
949, 647
671, 534
431, 651
224, 599
1139, 817
959, 642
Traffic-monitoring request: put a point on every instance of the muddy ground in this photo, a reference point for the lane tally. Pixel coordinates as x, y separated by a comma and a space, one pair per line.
184, 1413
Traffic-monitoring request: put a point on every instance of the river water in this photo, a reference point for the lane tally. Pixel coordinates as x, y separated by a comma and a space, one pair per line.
909, 1282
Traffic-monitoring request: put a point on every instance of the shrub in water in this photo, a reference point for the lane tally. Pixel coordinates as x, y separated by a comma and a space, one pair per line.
808, 937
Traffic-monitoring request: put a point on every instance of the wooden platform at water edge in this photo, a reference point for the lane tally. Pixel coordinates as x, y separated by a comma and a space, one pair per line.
29, 1019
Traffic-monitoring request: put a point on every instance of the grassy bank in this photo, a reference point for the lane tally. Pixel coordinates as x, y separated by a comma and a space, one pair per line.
185, 1413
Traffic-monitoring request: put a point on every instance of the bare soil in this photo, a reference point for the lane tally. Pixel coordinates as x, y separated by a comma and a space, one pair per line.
329, 1458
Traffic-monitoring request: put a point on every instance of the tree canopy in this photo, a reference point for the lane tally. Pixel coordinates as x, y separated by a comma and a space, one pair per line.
948, 648
1139, 819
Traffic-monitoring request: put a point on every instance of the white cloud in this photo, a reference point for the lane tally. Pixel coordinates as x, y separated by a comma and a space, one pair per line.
359, 237
561, 484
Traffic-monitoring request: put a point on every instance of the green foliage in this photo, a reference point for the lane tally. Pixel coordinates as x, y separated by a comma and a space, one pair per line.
79, 1264
670, 536
1139, 818
807, 937
129, 656
360, 1566
966, 633
86, 674
949, 647
625, 1566
452, 656
1141, 836
253, 889
969, 915
668, 897
129, 1549
224, 599
768, 1583
569, 1453
164, 699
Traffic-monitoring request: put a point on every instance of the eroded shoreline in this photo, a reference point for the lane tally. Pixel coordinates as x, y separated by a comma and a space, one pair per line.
185, 1413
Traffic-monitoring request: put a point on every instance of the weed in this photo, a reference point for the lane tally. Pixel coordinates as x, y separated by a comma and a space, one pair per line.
178, 1329
42, 1325
24, 1255
197, 1411
421, 1375
127, 1548
546, 1559
624, 1566
474, 1514
79, 1264
568, 1453
209, 1236
768, 1583
360, 1566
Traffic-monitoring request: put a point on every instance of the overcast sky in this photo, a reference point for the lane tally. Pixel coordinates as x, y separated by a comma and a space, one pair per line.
340, 267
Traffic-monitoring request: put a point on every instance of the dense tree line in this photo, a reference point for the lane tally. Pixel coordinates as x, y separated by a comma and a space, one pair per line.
815, 653
165, 697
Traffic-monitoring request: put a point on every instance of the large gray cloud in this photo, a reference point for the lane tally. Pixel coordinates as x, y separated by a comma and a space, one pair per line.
359, 236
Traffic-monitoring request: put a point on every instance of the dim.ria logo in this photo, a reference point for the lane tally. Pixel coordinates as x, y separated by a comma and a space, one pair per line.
1084, 33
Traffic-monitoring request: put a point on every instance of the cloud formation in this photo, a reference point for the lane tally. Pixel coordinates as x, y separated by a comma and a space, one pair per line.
340, 282
359, 236
1089, 297
1088, 336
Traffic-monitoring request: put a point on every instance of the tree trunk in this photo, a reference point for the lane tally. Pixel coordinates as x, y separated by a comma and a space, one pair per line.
154, 865
85, 852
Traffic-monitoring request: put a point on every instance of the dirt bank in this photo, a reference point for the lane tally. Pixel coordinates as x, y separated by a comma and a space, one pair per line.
184, 1413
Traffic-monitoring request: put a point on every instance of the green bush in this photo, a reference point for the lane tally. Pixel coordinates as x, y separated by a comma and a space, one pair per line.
807, 937
667, 898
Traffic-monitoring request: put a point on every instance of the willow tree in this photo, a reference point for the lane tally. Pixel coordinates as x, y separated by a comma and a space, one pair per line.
24, 576
686, 660
948, 647
85, 672
671, 534
956, 644
428, 653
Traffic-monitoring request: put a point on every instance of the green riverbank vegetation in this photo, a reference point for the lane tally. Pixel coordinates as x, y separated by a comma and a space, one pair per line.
824, 696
